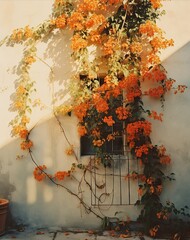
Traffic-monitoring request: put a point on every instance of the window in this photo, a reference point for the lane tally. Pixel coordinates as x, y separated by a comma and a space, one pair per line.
114, 147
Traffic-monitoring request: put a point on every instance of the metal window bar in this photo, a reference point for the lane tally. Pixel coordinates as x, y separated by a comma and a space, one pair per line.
110, 185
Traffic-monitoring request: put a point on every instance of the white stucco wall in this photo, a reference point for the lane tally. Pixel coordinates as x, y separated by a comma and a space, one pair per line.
42, 203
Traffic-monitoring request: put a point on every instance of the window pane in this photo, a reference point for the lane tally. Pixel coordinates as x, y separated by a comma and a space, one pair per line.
118, 145
86, 146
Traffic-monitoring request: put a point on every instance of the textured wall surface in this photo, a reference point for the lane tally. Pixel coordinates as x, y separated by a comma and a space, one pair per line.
42, 203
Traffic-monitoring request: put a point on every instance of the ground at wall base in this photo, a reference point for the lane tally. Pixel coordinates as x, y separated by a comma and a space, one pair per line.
76, 234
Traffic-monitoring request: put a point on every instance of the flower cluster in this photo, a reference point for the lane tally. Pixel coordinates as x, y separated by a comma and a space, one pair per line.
122, 113
82, 130
39, 174
156, 3
100, 103
78, 42
60, 175
156, 92
136, 129
25, 145
22, 34
149, 28
141, 150
81, 110
156, 116
109, 120
60, 22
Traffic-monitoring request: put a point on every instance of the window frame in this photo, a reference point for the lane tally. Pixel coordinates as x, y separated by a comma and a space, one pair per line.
86, 141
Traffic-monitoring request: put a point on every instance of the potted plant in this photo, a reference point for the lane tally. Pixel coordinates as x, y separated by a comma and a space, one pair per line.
4, 204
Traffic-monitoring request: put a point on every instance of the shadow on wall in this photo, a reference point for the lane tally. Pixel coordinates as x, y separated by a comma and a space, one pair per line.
176, 123
59, 51
174, 131
178, 65
6, 187
40, 203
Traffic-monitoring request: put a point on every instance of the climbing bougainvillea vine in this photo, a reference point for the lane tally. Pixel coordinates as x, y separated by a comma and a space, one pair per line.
128, 42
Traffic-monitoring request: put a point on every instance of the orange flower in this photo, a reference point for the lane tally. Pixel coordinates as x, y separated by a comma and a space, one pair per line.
17, 129
181, 89
26, 144
156, 74
94, 20
150, 180
156, 116
69, 151
81, 110
149, 28
153, 231
19, 105
38, 173
122, 113
25, 120
101, 105
131, 144
82, 130
23, 133
155, 92
136, 128
156, 3
89, 6
110, 137
78, 42
20, 90
152, 190
153, 59
60, 22
109, 121
162, 215
76, 21
169, 84
109, 46
139, 151
136, 47
98, 143
17, 35
162, 150
59, 2
29, 59
94, 36
131, 85
124, 46
28, 33
159, 215
160, 43
133, 94
114, 1
61, 175
165, 160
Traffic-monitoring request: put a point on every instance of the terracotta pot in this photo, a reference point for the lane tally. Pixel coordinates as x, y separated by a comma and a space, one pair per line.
4, 203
